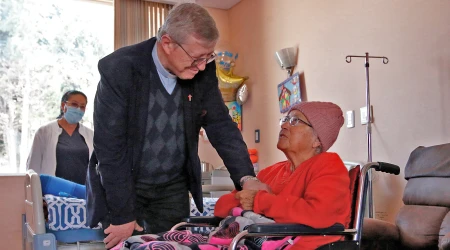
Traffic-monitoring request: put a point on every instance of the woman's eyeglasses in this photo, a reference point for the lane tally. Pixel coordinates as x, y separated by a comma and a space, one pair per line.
76, 105
293, 121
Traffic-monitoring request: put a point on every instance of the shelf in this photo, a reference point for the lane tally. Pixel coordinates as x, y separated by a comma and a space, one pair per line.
209, 188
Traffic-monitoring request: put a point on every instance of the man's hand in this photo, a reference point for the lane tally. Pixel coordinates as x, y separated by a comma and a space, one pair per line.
246, 198
120, 233
256, 185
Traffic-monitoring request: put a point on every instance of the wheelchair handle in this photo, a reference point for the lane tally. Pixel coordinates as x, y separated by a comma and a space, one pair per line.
387, 168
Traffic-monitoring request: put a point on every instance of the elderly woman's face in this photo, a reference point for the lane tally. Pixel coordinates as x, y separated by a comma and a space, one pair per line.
299, 138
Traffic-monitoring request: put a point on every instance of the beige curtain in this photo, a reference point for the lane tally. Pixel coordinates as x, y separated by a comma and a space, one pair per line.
137, 20
157, 13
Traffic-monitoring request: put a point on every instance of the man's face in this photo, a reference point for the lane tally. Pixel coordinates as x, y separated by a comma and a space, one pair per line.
189, 57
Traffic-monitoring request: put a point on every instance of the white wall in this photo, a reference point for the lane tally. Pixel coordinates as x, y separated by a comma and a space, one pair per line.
410, 95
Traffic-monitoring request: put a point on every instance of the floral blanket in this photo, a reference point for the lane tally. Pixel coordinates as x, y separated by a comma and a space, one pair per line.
219, 239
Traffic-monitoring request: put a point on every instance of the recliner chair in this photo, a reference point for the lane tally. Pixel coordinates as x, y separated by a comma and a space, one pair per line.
424, 221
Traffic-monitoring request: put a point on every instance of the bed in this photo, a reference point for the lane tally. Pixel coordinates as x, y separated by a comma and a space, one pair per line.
65, 225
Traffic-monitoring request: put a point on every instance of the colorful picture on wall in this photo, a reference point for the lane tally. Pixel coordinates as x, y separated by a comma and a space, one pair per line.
289, 92
235, 113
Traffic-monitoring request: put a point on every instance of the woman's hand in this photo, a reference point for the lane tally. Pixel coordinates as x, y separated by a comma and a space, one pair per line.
246, 198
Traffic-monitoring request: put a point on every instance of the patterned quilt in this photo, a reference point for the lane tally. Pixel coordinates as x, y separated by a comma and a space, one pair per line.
218, 239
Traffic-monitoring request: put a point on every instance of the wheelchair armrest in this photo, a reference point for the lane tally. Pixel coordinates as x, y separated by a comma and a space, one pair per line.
276, 229
198, 221
210, 220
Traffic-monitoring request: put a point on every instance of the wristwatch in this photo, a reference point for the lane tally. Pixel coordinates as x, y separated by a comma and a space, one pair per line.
246, 178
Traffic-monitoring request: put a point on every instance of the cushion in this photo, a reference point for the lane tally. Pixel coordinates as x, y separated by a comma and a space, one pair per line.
208, 207
66, 213
61, 187
208, 210
374, 229
428, 191
431, 161
419, 225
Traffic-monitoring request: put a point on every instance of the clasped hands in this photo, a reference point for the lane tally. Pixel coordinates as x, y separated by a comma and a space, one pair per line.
247, 196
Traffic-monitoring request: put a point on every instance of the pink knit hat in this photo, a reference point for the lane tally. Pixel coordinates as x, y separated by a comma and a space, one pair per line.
326, 119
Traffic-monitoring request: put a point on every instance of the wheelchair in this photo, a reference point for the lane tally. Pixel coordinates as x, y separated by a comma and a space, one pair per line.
359, 180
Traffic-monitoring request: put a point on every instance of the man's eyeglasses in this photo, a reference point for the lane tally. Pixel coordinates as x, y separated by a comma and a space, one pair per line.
76, 105
293, 121
198, 61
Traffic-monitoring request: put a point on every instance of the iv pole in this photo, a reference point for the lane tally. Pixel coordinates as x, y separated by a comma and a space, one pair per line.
348, 59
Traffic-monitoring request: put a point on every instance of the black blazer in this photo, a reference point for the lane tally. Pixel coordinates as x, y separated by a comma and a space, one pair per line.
120, 117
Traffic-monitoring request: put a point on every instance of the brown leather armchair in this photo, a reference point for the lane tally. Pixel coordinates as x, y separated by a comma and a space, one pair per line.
424, 221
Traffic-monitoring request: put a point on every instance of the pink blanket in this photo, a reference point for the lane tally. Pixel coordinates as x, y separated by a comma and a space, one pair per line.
219, 239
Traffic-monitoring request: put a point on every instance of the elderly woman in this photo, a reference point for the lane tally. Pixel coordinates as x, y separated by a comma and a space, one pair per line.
312, 186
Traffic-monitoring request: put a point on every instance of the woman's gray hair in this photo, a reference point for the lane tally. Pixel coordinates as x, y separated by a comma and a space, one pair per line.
188, 19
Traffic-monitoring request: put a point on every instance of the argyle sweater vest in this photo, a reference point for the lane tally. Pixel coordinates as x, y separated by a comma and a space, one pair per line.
164, 149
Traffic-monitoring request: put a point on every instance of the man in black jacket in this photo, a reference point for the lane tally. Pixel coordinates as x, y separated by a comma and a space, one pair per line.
152, 100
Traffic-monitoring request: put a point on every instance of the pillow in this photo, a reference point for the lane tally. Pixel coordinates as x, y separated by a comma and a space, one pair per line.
208, 207
61, 187
66, 213
208, 210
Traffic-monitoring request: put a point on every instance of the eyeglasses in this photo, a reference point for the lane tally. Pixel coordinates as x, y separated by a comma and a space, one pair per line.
198, 61
76, 105
293, 121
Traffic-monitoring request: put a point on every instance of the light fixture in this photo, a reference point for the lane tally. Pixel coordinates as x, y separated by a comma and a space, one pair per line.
287, 59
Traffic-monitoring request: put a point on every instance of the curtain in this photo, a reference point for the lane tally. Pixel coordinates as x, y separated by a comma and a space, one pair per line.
137, 20
158, 13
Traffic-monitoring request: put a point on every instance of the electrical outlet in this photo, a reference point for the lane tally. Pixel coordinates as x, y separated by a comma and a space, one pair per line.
365, 116
363, 112
350, 119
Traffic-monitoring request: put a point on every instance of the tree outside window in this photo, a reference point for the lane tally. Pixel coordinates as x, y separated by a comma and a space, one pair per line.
46, 48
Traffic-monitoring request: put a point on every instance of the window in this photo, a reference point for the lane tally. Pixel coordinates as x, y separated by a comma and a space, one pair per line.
46, 48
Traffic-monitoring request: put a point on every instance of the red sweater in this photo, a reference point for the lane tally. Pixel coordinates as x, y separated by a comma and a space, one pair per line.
316, 194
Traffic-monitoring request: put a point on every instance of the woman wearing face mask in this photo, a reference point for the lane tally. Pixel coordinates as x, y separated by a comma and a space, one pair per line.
63, 147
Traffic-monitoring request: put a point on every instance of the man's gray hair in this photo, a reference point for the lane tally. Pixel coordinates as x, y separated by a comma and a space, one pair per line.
189, 19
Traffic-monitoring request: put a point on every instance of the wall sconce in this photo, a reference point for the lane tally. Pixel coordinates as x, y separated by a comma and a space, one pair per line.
287, 59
